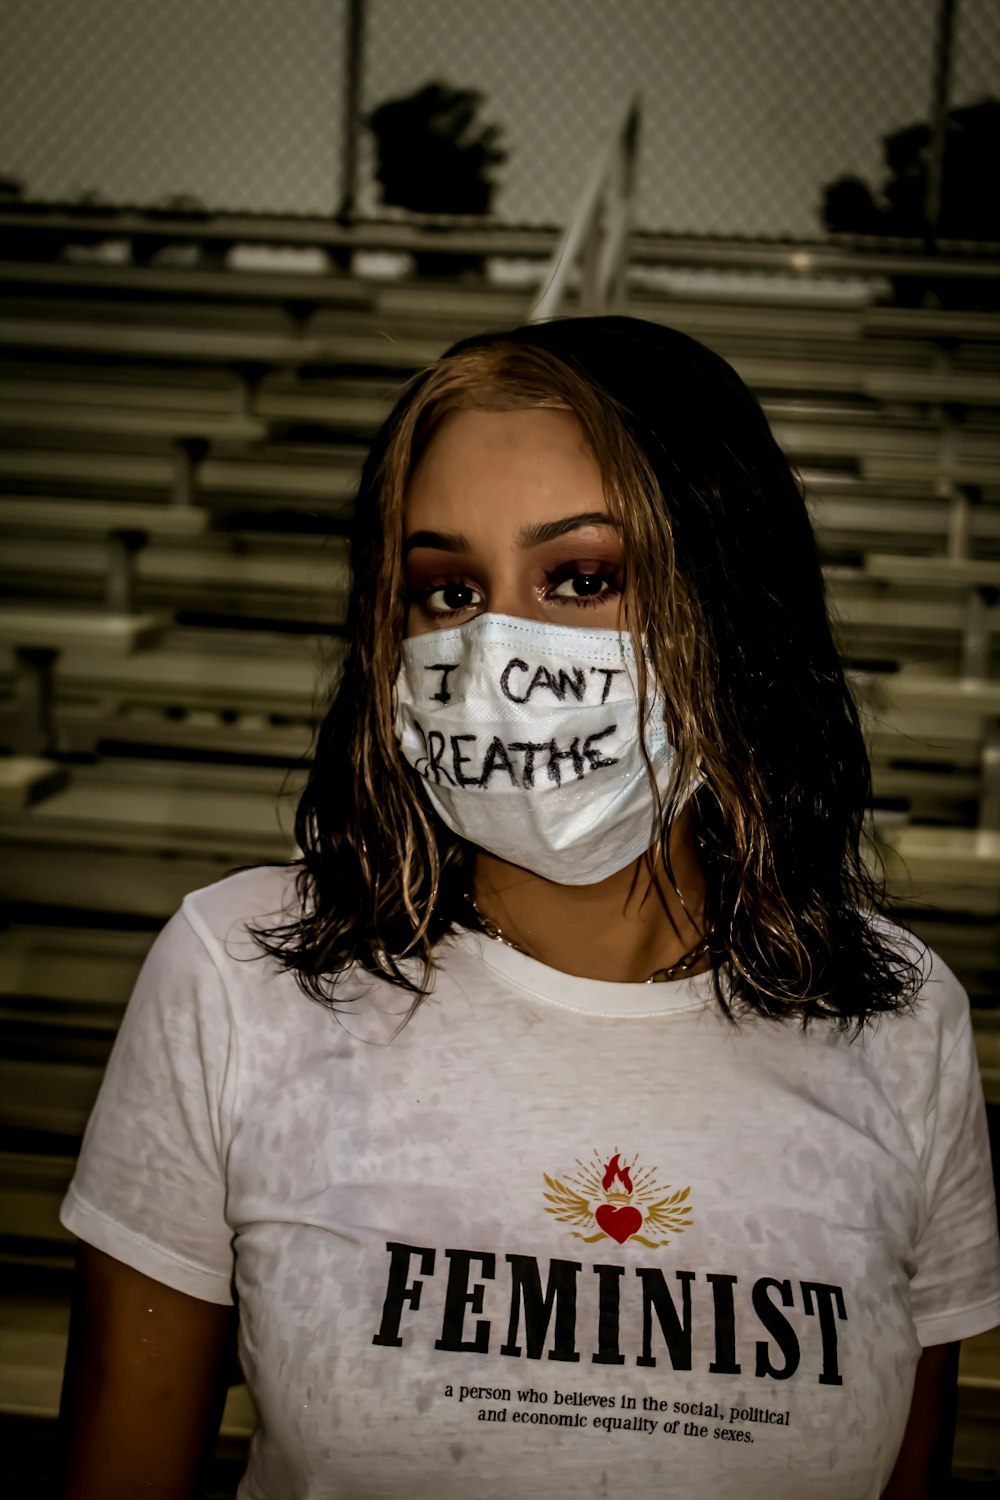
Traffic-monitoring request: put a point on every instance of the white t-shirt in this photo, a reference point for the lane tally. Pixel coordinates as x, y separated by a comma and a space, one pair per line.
553, 1238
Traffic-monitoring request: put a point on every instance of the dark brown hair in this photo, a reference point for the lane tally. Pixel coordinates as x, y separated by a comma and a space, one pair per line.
725, 590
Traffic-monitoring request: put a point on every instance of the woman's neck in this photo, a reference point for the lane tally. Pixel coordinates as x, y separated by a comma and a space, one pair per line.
624, 928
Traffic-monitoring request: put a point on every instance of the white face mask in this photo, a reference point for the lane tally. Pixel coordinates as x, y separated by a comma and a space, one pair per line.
527, 737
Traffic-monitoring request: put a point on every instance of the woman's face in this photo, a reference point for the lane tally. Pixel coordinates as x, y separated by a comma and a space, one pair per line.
506, 513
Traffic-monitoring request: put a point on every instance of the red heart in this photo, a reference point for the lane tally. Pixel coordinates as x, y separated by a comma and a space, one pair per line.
620, 1223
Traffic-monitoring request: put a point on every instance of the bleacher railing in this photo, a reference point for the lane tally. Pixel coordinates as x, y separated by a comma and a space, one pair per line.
597, 235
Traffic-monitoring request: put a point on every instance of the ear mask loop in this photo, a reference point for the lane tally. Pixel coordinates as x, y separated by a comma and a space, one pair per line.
527, 737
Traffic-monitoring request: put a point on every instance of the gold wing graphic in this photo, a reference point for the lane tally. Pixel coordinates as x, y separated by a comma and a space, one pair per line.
568, 1207
669, 1213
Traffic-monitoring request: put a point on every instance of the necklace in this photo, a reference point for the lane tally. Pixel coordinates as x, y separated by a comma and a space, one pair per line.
493, 930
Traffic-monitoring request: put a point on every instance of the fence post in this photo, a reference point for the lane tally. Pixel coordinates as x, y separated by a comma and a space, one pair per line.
354, 48
944, 35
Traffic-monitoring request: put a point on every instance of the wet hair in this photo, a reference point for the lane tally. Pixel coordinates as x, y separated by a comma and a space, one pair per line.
725, 592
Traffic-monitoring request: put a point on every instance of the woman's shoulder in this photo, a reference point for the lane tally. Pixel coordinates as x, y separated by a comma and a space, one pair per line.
225, 913
940, 1012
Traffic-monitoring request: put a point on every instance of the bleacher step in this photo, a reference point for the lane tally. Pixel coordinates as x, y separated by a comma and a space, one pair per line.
27, 779
55, 627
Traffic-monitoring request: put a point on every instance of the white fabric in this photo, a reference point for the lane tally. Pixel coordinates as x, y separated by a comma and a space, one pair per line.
824, 1208
527, 736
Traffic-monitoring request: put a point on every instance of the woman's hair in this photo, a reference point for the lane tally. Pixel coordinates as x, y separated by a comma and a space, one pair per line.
725, 593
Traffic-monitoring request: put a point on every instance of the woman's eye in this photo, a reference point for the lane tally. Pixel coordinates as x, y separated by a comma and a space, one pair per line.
583, 586
451, 598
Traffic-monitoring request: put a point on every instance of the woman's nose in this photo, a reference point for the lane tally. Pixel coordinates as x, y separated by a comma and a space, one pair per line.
510, 595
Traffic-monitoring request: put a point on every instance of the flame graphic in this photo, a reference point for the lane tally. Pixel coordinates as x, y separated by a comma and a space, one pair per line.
612, 1171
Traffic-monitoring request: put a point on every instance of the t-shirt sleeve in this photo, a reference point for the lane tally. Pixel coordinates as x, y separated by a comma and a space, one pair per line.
149, 1186
955, 1291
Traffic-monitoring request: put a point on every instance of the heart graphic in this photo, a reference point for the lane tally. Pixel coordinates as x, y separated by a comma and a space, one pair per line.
620, 1223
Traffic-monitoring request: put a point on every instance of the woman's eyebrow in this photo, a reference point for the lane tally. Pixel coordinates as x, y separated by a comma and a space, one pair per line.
443, 541
547, 531
528, 536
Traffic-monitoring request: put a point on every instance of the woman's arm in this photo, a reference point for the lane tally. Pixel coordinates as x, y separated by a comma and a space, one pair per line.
144, 1387
923, 1468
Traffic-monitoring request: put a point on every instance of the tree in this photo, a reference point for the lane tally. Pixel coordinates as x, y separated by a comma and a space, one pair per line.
970, 206
433, 156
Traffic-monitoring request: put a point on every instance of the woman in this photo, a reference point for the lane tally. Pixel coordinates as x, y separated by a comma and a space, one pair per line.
628, 1146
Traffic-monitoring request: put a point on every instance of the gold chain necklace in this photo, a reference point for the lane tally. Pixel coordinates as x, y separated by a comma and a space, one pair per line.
493, 930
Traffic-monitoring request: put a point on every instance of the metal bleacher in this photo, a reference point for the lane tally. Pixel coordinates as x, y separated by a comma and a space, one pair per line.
179, 453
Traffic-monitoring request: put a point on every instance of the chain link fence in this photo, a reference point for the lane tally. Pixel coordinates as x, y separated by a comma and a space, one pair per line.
749, 106
133, 102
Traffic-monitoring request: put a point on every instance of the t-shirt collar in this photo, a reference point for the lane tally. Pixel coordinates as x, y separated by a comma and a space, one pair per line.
598, 997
